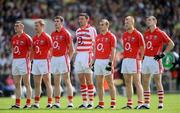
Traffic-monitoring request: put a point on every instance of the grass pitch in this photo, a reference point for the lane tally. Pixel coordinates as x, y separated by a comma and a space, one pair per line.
171, 105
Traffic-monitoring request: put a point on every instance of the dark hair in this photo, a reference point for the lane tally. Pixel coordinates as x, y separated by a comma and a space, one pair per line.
60, 17
84, 14
18, 22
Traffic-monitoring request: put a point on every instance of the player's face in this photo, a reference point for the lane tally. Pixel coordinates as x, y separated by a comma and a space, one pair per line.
150, 21
128, 23
82, 20
18, 27
38, 27
57, 23
102, 26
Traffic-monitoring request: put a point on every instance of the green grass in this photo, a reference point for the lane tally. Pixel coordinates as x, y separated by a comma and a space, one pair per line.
171, 105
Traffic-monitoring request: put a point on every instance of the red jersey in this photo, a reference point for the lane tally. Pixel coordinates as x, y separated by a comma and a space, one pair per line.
61, 40
132, 43
21, 45
41, 46
104, 44
154, 41
85, 38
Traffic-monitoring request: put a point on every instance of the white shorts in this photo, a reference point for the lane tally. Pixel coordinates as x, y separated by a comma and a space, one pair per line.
131, 66
100, 67
60, 65
41, 66
21, 66
151, 66
82, 62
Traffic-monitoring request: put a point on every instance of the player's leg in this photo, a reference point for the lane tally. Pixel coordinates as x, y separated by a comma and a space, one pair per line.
57, 90
139, 89
160, 90
67, 80
129, 90
89, 81
26, 81
83, 89
37, 89
146, 78
112, 90
18, 91
47, 81
100, 90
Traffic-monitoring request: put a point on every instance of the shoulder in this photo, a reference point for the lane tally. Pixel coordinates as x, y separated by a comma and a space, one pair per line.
13, 37
53, 33
92, 28
78, 30
160, 32
27, 36
66, 31
46, 35
124, 34
146, 32
138, 34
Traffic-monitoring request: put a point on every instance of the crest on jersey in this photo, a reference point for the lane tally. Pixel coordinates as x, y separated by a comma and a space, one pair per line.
132, 39
56, 37
106, 39
61, 37
41, 42
146, 37
155, 37
21, 42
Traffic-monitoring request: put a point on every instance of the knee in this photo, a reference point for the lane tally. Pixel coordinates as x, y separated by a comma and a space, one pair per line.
27, 85
88, 82
100, 83
128, 82
17, 83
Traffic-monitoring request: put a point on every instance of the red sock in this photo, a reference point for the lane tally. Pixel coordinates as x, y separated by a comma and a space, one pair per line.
70, 99
18, 102
84, 93
161, 96
49, 100
113, 102
57, 99
130, 102
28, 101
140, 102
147, 97
101, 103
37, 98
91, 93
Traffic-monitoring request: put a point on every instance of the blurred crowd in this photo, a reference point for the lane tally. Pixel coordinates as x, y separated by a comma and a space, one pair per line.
166, 11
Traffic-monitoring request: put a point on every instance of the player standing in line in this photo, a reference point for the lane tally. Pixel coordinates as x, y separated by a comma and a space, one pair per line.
105, 50
134, 46
83, 59
21, 65
60, 63
152, 63
42, 48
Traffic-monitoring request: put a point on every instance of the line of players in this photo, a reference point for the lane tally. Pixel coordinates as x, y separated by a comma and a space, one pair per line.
52, 55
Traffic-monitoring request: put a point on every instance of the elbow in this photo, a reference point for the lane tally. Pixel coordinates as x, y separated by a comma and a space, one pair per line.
172, 44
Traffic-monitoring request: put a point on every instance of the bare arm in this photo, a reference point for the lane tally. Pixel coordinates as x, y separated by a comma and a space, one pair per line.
71, 50
169, 47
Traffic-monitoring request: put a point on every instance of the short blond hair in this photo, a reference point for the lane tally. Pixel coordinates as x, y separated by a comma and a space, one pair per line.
132, 19
40, 21
19, 22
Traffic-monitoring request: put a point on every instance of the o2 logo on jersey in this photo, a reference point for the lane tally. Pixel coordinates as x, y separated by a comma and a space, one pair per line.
128, 47
100, 47
80, 40
16, 50
37, 50
149, 45
56, 45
